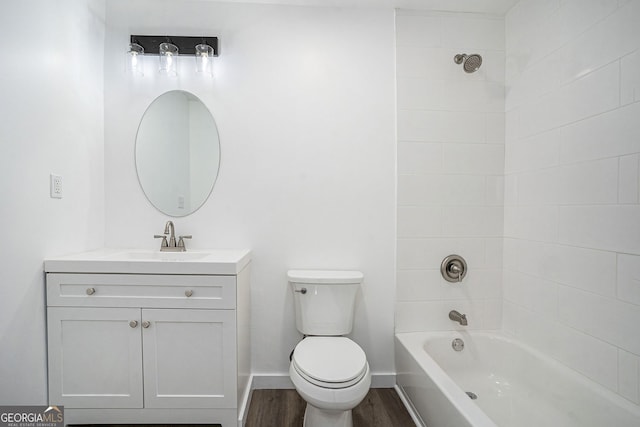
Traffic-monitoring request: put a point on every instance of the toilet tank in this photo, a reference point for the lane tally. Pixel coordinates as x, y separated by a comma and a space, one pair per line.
324, 300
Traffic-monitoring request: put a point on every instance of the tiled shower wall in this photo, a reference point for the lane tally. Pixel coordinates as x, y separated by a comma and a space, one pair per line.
450, 168
572, 218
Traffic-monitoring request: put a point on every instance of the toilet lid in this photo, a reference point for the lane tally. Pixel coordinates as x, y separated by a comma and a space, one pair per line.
330, 360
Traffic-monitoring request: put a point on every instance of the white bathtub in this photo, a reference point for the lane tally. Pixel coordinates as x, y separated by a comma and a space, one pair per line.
516, 385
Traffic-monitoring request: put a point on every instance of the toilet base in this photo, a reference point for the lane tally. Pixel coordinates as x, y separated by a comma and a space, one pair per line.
315, 417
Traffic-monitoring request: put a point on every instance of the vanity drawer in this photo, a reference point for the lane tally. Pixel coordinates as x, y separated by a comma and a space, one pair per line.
131, 290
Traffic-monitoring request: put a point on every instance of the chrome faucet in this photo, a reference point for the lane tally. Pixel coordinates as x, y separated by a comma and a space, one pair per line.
170, 229
171, 246
457, 317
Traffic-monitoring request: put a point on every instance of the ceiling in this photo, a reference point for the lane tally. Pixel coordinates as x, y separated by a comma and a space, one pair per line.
478, 6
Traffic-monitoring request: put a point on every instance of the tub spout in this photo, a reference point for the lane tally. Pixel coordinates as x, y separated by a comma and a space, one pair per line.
457, 317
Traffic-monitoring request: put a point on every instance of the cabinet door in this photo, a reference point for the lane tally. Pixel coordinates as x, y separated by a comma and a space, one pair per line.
95, 357
189, 358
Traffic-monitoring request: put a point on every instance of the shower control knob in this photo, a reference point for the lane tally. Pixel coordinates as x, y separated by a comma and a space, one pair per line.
453, 268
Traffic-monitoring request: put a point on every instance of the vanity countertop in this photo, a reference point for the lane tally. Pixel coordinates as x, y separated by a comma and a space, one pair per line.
139, 261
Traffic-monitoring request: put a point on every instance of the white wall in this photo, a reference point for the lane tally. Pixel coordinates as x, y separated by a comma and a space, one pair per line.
51, 120
304, 102
450, 167
572, 247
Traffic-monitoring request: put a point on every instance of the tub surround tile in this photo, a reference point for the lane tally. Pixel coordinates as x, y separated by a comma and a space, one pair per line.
441, 126
494, 190
428, 285
463, 190
586, 269
480, 32
628, 278
429, 253
540, 296
417, 62
629, 375
524, 17
572, 171
494, 253
496, 123
479, 159
419, 158
492, 313
531, 222
510, 190
528, 327
607, 319
472, 221
613, 228
583, 140
418, 30
630, 78
582, 352
586, 354
590, 95
450, 189
537, 152
608, 40
419, 93
628, 179
419, 221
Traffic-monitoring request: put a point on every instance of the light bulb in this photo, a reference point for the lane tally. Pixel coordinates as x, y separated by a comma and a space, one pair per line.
204, 59
168, 59
133, 61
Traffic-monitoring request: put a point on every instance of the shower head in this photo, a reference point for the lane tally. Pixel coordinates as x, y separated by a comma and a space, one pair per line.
471, 62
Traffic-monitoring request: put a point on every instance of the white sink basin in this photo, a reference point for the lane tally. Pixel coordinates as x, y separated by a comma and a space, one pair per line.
138, 261
157, 256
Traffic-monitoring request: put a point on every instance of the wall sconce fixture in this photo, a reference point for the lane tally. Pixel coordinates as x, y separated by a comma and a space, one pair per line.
168, 48
134, 59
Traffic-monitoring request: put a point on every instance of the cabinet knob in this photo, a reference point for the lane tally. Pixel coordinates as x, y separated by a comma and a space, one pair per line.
188, 293
91, 291
146, 324
133, 323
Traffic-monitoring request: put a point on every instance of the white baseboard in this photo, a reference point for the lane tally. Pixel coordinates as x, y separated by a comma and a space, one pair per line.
282, 381
243, 411
271, 381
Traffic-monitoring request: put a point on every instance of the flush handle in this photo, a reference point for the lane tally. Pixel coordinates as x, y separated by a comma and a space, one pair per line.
302, 291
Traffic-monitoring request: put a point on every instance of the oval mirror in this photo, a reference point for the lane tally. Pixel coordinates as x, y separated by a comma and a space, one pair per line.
177, 153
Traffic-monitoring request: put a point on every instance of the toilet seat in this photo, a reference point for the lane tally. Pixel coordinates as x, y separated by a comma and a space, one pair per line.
330, 362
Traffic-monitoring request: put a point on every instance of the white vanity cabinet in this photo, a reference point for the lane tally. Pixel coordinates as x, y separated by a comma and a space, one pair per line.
148, 348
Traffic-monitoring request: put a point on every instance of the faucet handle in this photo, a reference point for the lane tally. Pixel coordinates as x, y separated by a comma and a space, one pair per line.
164, 243
181, 240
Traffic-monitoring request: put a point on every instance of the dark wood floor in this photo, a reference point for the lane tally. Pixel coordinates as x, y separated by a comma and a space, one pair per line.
381, 407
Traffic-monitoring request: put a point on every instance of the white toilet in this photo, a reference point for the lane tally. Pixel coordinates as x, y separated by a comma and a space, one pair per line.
329, 371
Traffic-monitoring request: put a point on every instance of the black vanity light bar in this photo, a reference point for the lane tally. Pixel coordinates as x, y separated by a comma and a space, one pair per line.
186, 44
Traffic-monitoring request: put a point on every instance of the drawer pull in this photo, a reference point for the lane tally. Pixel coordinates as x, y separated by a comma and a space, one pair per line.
188, 293
91, 291
133, 323
146, 324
